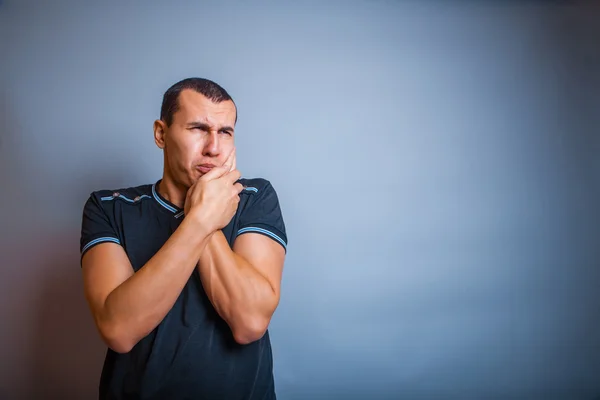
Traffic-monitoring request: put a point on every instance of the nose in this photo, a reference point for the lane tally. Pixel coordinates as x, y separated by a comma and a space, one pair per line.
211, 147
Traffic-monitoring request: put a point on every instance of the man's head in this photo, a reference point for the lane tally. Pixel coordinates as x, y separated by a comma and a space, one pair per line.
195, 130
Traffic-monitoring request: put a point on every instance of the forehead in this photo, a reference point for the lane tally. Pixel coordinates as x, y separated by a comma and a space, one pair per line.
193, 106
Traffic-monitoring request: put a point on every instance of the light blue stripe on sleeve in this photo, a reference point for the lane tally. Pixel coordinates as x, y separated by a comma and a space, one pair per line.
264, 231
100, 240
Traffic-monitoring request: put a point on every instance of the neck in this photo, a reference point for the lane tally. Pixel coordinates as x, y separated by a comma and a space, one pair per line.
172, 191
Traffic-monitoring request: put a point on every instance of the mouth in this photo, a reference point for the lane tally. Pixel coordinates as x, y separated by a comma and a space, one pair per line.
204, 168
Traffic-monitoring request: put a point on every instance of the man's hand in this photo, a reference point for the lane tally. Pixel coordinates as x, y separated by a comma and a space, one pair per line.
243, 282
215, 196
231, 160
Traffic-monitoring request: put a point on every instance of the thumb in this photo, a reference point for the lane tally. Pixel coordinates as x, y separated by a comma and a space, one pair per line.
215, 173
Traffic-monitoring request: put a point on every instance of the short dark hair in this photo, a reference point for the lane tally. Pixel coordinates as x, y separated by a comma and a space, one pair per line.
205, 87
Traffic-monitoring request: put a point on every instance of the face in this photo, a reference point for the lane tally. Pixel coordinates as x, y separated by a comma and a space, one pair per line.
200, 137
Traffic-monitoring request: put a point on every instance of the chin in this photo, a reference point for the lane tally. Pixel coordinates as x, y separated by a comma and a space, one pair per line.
195, 176
186, 181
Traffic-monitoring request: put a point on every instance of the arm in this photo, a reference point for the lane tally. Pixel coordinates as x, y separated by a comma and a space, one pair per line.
126, 306
243, 284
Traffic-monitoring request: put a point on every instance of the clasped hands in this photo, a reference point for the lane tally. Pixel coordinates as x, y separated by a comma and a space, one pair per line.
213, 199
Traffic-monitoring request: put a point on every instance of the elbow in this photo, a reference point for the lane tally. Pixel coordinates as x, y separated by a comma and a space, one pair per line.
251, 330
120, 346
116, 338
251, 326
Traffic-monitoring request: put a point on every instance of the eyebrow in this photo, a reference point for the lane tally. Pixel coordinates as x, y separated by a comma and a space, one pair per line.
206, 127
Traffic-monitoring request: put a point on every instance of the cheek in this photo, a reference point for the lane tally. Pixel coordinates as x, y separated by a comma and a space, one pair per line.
184, 151
226, 150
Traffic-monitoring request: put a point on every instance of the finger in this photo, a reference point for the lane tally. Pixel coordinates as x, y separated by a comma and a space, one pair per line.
238, 187
233, 176
215, 173
190, 190
234, 162
186, 202
230, 161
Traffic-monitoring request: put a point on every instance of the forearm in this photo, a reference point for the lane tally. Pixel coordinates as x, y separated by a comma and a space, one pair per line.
140, 303
241, 295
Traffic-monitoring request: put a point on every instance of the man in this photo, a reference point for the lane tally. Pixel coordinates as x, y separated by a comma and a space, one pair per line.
182, 276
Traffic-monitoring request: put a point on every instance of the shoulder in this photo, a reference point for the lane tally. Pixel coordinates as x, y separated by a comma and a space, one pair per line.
107, 198
259, 210
258, 195
254, 186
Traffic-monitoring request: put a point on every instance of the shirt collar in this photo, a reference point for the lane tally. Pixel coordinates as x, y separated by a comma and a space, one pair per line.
177, 212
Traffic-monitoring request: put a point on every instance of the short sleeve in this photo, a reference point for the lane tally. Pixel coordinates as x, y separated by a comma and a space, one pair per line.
95, 226
262, 215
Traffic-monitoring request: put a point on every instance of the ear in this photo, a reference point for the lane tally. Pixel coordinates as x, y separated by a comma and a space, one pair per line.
159, 133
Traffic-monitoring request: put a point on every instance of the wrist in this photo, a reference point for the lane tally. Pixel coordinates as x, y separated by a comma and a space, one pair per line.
197, 220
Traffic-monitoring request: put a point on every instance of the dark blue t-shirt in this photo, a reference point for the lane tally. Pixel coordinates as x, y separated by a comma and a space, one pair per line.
191, 354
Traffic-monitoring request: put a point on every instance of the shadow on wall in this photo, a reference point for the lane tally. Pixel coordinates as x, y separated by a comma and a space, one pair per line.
68, 352
55, 351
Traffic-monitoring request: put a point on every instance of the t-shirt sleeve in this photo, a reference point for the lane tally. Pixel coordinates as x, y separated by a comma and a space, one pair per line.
96, 227
263, 215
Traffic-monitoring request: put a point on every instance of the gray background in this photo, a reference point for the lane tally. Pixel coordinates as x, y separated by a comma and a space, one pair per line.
437, 165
